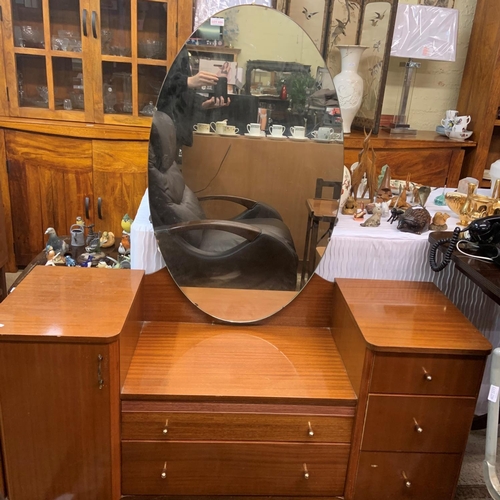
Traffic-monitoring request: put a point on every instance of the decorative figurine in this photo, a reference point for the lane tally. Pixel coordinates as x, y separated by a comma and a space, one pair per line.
396, 213
80, 221
420, 195
127, 223
87, 262
69, 261
107, 239
350, 206
360, 213
58, 244
374, 220
439, 222
384, 193
366, 165
415, 220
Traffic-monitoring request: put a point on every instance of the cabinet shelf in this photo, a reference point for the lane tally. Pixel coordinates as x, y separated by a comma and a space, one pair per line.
497, 123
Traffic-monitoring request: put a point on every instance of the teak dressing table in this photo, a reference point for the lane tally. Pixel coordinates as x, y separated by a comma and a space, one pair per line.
112, 383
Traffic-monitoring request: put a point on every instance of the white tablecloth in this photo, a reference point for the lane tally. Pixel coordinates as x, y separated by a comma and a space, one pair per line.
370, 253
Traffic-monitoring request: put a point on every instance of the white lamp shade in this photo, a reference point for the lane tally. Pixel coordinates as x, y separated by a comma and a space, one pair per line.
425, 32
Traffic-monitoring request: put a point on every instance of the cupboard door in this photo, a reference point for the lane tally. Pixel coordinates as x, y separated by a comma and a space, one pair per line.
120, 180
60, 429
49, 179
47, 59
136, 40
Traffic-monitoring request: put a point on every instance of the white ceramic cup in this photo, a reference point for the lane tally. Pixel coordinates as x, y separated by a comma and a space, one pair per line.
458, 134
459, 128
203, 128
462, 120
323, 133
448, 123
218, 127
253, 128
277, 130
298, 131
230, 130
451, 114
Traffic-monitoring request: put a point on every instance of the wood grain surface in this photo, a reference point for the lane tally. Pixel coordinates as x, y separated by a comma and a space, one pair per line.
233, 468
185, 361
410, 317
54, 304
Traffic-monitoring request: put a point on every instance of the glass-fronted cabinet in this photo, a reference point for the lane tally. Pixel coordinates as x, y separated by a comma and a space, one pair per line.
97, 61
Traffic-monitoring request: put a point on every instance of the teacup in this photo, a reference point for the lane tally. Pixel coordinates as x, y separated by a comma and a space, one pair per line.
323, 133
298, 132
202, 128
451, 114
253, 128
230, 130
462, 120
459, 128
218, 127
448, 123
277, 130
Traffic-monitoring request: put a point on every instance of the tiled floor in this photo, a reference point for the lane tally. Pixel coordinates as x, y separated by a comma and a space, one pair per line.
471, 483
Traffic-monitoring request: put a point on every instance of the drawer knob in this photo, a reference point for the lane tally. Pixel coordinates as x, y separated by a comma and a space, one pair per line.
163, 474
165, 429
427, 376
407, 481
310, 432
417, 427
408, 484
306, 472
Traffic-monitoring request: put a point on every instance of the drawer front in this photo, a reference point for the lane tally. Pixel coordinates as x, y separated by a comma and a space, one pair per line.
433, 375
235, 427
417, 423
191, 468
401, 476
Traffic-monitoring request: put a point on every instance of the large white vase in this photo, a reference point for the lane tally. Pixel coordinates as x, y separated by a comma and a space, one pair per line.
348, 84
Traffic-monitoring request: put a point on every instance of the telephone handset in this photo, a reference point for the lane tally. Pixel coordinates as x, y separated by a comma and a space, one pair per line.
483, 243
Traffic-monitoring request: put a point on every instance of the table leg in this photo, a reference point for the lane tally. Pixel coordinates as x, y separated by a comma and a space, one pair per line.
312, 248
305, 259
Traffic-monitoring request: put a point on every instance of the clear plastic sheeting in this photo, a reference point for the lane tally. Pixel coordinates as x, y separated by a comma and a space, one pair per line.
424, 32
207, 8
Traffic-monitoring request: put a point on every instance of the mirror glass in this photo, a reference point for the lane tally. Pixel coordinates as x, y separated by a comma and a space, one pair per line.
245, 163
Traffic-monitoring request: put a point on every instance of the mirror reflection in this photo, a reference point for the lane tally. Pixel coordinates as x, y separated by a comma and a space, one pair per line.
245, 155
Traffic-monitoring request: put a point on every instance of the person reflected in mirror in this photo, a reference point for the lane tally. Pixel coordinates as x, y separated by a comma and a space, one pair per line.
179, 97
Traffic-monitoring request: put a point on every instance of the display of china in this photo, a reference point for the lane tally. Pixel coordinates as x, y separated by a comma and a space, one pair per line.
253, 128
323, 133
277, 130
231, 130
349, 84
449, 120
219, 127
148, 109
298, 132
458, 135
202, 128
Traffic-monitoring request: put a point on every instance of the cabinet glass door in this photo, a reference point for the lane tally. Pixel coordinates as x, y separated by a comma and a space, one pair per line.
137, 42
48, 39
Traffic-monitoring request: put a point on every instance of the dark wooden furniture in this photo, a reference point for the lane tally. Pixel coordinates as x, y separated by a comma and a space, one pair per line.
431, 159
4, 254
340, 394
486, 275
480, 90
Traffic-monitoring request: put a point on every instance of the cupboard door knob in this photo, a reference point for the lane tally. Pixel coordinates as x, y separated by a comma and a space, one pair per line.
407, 481
84, 22
163, 474
306, 472
99, 207
417, 427
165, 429
408, 484
94, 24
310, 432
427, 375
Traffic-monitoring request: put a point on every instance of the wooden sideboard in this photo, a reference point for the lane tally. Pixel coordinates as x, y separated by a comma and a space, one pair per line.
431, 159
360, 389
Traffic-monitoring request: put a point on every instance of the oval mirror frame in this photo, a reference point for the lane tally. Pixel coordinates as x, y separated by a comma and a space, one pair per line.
238, 212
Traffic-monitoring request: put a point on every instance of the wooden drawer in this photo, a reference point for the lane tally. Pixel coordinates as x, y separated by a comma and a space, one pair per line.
449, 376
235, 427
384, 476
193, 468
392, 423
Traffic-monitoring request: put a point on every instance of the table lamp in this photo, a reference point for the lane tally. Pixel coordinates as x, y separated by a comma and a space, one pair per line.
420, 32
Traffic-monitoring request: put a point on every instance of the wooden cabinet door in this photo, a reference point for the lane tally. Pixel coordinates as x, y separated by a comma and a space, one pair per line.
60, 429
49, 179
120, 180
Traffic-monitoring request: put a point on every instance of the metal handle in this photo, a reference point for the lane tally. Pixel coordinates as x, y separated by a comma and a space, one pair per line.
84, 22
163, 474
99, 371
407, 481
165, 429
94, 24
427, 375
99, 207
310, 431
306, 472
87, 207
417, 427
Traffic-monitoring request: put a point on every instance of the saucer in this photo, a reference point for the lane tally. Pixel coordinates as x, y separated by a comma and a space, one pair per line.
316, 139
203, 133
298, 138
466, 135
277, 137
229, 135
253, 136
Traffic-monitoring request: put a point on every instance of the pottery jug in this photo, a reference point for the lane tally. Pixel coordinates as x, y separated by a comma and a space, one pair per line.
348, 84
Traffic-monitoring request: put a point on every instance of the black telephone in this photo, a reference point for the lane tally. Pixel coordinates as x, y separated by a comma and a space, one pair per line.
483, 243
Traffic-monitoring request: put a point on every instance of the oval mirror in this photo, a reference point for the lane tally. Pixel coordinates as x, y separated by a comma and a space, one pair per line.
245, 143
